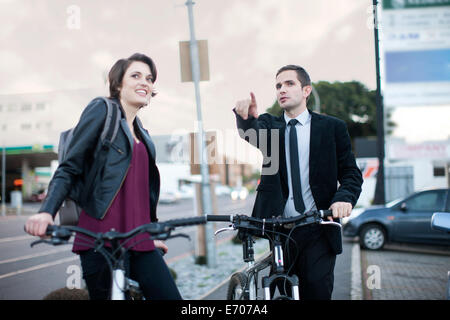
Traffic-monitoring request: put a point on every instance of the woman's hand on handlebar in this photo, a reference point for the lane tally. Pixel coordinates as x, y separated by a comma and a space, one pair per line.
36, 225
161, 245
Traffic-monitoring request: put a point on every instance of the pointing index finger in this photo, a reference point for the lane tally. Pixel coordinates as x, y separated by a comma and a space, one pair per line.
252, 95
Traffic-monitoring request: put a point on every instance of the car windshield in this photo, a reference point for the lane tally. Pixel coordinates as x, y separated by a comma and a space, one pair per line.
393, 202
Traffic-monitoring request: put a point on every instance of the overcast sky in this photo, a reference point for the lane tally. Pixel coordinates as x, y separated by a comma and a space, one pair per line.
248, 40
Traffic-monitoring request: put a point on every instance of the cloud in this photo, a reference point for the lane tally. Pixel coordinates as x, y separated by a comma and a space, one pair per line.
102, 60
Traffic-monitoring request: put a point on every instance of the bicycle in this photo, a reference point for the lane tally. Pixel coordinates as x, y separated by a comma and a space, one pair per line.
122, 287
243, 285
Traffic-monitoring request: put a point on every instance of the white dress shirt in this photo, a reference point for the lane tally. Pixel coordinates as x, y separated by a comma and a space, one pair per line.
303, 129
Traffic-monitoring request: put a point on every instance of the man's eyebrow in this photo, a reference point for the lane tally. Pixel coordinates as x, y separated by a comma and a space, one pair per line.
279, 83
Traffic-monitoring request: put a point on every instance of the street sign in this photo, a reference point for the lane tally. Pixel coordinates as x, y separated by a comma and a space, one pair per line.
185, 61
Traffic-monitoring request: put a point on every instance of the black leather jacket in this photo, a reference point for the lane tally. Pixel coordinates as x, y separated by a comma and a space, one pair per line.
69, 178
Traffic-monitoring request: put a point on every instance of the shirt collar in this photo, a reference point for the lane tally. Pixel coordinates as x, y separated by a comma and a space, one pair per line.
303, 117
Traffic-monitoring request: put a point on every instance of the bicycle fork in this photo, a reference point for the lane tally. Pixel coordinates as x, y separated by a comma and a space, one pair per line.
279, 275
249, 257
118, 284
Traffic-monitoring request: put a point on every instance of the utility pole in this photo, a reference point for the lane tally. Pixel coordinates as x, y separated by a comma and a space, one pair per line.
4, 181
205, 185
380, 186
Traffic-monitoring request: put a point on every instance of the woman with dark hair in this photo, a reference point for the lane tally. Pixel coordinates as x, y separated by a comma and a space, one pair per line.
127, 192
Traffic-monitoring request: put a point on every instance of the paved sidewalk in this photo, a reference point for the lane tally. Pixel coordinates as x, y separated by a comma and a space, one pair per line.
405, 273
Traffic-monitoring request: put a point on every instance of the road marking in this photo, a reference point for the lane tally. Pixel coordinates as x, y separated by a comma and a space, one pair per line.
356, 283
35, 255
18, 238
39, 266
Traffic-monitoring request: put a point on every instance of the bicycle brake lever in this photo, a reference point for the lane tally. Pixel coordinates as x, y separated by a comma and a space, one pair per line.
181, 235
37, 242
332, 223
54, 241
223, 230
166, 236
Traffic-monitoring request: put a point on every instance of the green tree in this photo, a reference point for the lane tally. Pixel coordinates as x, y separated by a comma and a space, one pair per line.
349, 101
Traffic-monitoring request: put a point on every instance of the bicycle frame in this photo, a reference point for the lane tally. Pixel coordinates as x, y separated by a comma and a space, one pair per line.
274, 258
279, 274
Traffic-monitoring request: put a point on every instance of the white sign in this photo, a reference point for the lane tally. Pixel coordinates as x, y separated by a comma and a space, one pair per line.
415, 39
435, 150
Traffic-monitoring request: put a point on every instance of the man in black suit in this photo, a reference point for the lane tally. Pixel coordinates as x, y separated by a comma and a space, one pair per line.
305, 156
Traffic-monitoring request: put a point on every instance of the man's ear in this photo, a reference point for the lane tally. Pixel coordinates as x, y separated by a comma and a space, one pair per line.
307, 91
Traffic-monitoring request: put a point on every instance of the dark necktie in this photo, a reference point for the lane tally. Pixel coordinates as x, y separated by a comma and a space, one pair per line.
295, 168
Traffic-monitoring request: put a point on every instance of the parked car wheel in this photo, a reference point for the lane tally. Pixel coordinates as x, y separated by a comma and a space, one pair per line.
372, 237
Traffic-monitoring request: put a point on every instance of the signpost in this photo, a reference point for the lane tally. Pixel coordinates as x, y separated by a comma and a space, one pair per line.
205, 184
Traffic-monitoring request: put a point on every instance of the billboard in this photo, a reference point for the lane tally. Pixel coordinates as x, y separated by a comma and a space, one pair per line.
415, 42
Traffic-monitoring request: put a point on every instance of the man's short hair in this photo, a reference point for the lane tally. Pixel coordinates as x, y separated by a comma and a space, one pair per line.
302, 75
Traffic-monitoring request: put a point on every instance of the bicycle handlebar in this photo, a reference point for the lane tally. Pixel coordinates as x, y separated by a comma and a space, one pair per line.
274, 221
264, 225
59, 234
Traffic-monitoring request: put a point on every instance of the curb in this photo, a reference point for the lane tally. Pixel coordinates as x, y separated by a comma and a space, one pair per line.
203, 296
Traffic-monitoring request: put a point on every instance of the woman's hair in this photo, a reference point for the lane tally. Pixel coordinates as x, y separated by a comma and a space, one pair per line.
118, 70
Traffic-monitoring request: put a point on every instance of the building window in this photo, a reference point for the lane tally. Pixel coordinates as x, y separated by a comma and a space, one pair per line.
26, 107
40, 106
12, 107
25, 126
439, 171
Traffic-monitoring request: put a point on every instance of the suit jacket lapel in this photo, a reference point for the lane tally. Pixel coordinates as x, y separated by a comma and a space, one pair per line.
314, 144
281, 125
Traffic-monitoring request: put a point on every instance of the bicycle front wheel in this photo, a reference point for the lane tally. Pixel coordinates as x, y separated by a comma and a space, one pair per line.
237, 287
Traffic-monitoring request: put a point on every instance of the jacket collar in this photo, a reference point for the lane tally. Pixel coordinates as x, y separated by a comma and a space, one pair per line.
147, 140
145, 137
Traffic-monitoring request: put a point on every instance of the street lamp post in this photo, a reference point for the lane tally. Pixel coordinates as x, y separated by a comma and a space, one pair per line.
380, 185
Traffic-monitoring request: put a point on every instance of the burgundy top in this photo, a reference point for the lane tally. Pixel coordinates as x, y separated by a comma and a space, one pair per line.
129, 209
